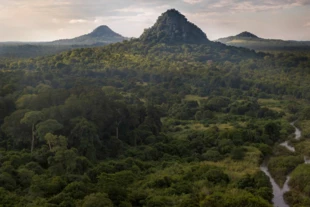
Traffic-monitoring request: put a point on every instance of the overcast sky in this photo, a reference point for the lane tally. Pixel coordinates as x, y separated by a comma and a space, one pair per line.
40, 20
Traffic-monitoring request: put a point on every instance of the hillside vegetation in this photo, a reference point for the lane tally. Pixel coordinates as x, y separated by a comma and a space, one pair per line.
150, 122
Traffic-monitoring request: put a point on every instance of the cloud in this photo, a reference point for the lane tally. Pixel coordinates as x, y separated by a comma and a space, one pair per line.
303, 2
78, 21
254, 5
192, 1
37, 19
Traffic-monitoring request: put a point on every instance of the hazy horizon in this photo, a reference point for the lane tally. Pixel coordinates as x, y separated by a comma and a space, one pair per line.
37, 21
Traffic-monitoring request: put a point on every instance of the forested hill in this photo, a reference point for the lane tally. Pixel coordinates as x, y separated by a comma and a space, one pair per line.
172, 37
251, 41
173, 27
161, 120
101, 36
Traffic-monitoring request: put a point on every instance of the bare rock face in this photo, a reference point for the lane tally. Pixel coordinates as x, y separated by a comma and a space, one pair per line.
173, 27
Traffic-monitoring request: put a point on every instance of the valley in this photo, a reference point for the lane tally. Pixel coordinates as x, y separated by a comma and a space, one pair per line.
167, 119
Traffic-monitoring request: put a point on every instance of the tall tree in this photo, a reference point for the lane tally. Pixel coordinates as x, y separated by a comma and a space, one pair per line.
48, 126
31, 119
55, 142
84, 136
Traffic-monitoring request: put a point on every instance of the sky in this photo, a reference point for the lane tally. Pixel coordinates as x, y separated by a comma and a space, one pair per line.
46, 20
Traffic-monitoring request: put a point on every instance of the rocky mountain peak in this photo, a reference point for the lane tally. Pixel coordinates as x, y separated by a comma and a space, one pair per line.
173, 27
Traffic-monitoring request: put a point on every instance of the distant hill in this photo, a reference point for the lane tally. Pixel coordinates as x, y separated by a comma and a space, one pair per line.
247, 35
173, 27
170, 31
102, 35
251, 41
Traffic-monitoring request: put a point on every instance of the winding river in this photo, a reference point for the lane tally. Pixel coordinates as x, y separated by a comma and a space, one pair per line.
278, 200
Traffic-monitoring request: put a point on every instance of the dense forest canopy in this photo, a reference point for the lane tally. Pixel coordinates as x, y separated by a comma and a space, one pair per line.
152, 122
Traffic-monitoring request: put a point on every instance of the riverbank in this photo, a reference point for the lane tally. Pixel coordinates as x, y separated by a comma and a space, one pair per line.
279, 192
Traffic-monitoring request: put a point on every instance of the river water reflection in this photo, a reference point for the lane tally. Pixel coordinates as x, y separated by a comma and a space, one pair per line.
278, 200
278, 193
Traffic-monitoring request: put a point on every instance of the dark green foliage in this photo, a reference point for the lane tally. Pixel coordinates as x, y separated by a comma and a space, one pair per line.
300, 179
25, 177
115, 185
238, 153
257, 184
217, 176
305, 114
212, 155
281, 166
158, 201
272, 129
7, 198
7, 181
172, 27
97, 200
239, 199
248, 107
299, 182
149, 122
216, 103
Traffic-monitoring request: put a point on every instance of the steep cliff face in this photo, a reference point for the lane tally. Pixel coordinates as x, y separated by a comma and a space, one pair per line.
173, 27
